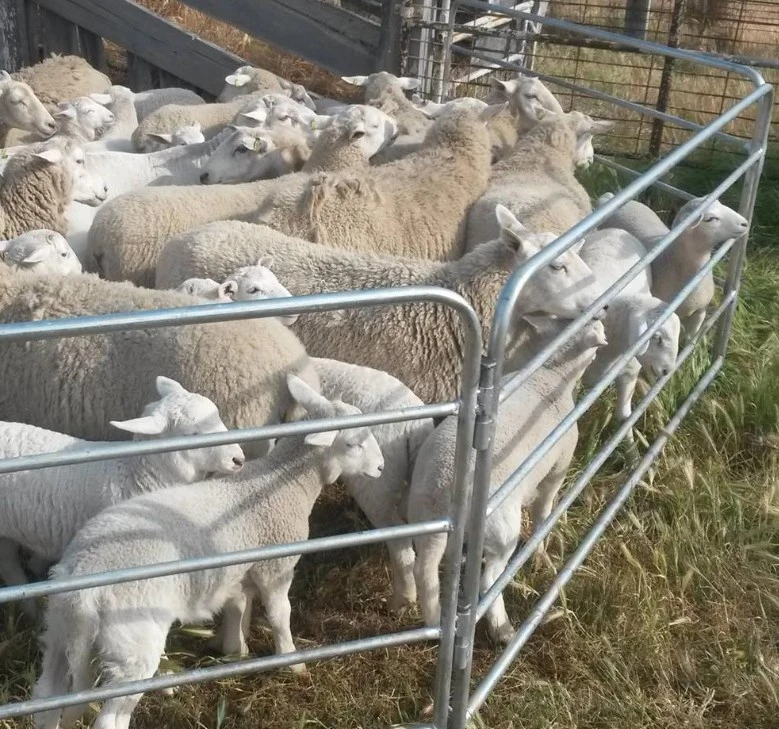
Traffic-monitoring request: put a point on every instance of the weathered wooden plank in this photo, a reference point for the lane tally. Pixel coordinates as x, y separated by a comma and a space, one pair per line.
159, 42
93, 49
337, 39
14, 49
141, 75
388, 55
57, 35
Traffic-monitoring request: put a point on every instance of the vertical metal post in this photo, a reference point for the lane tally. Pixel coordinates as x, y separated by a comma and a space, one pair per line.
746, 208
666, 78
388, 56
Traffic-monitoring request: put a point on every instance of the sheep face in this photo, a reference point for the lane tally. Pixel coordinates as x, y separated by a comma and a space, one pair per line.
564, 288
41, 251
432, 110
367, 127
352, 452
180, 412
585, 127
91, 118
715, 224
659, 354
381, 82
88, 186
20, 108
528, 98
190, 134
247, 155
236, 84
204, 288
253, 283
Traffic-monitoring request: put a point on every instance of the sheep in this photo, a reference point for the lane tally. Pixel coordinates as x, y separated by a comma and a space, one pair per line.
191, 134
117, 138
212, 118
678, 263
62, 78
377, 209
74, 385
43, 510
128, 233
41, 251
82, 120
610, 253
249, 80
255, 282
420, 344
249, 154
267, 503
536, 180
524, 419
38, 186
20, 108
204, 288
277, 108
149, 101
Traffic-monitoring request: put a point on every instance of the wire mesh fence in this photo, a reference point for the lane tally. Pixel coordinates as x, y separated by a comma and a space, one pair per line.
481, 38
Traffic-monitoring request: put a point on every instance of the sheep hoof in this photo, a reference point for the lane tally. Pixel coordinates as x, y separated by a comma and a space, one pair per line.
299, 669
502, 635
401, 603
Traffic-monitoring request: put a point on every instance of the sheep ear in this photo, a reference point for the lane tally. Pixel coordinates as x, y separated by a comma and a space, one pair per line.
197, 127
52, 155
357, 130
5, 76
238, 79
101, 98
407, 83
259, 115
492, 110
599, 126
167, 386
543, 113
637, 325
266, 261
228, 289
604, 198
36, 255
162, 136
259, 145
324, 440
355, 80
146, 425
540, 323
303, 393
417, 100
68, 112
512, 232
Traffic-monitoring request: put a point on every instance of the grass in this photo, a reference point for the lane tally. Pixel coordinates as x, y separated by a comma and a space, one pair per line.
672, 622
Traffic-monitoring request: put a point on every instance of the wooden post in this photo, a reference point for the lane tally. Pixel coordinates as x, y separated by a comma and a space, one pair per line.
14, 51
388, 54
637, 18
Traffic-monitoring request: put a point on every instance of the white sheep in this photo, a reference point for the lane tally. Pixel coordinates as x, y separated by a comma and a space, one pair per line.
117, 138
385, 91
43, 510
149, 101
277, 108
20, 108
41, 251
259, 153
38, 186
678, 263
418, 343
249, 80
190, 134
268, 503
610, 253
204, 288
75, 384
256, 282
128, 232
536, 179
525, 418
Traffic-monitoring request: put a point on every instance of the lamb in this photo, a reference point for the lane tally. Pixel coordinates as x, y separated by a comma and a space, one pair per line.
41, 251
611, 253
191, 134
43, 510
377, 209
277, 108
249, 154
204, 288
255, 282
20, 108
149, 101
678, 263
128, 233
74, 385
249, 80
525, 418
268, 503
62, 78
420, 344
536, 180
117, 138
38, 186
212, 118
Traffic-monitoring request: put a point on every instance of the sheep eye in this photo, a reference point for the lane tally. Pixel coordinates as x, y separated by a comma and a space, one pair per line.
252, 290
558, 267
710, 219
64, 254
241, 150
531, 96
79, 161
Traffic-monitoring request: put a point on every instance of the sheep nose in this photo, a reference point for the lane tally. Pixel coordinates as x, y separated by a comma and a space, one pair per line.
51, 126
204, 178
665, 371
380, 468
239, 461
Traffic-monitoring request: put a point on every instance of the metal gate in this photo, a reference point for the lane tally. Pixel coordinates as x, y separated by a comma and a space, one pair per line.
462, 603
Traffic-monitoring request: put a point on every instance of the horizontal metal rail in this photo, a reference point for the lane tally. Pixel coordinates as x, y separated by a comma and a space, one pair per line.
610, 294
195, 564
593, 466
538, 453
543, 605
213, 673
600, 95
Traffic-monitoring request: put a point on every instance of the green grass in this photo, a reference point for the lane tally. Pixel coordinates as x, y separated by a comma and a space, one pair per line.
672, 622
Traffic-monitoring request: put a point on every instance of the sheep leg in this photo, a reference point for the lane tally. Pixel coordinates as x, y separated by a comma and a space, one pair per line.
430, 551
234, 627
274, 594
12, 573
53, 681
498, 624
541, 506
147, 641
693, 323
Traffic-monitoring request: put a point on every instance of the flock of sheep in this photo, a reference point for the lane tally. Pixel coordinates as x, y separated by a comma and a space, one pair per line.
156, 199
